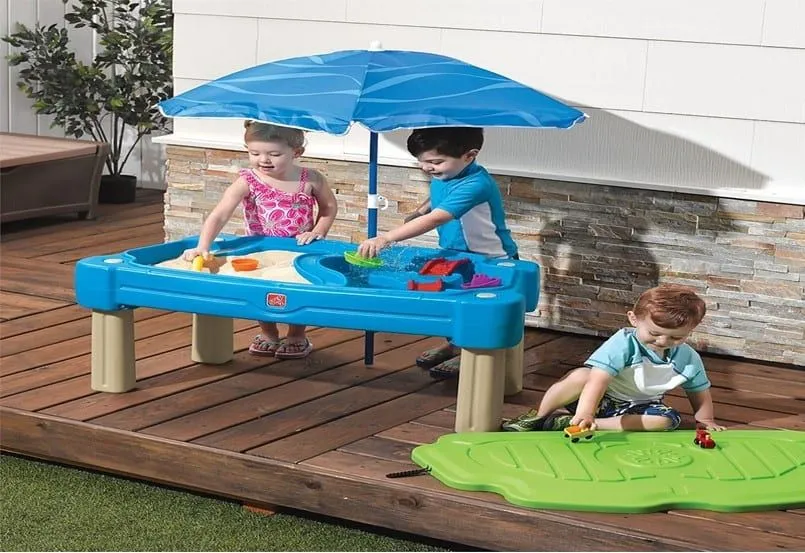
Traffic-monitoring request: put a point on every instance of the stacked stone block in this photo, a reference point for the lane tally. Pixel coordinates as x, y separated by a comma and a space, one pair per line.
599, 246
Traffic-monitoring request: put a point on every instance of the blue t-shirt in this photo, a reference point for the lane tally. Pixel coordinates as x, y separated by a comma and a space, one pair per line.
479, 221
640, 374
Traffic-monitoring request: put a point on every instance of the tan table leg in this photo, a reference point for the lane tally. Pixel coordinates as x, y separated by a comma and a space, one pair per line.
213, 339
480, 390
113, 351
514, 370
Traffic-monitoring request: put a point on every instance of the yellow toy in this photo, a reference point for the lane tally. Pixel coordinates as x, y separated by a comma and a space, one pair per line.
198, 263
576, 433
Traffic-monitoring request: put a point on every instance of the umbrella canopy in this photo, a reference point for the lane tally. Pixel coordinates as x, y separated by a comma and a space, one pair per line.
383, 90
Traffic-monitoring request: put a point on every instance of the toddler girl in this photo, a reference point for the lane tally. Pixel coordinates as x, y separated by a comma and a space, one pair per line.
278, 200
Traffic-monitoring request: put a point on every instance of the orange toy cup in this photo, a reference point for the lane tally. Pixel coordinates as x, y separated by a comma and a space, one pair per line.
244, 264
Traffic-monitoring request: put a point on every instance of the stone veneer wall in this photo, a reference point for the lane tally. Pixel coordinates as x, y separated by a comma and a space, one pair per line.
599, 246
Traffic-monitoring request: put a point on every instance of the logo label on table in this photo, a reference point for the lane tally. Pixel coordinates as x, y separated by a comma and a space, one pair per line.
276, 300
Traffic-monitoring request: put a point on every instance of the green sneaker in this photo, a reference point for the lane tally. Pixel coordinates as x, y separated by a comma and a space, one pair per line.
530, 422
526, 422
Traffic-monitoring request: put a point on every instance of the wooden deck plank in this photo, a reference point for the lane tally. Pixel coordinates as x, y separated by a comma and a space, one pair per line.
171, 373
37, 278
384, 448
165, 329
775, 522
419, 396
796, 422
138, 237
729, 382
332, 435
768, 370
287, 385
148, 353
14, 306
169, 403
61, 332
43, 319
729, 398
333, 493
149, 224
304, 406
63, 370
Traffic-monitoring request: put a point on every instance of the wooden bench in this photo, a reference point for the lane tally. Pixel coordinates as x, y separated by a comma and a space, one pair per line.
42, 175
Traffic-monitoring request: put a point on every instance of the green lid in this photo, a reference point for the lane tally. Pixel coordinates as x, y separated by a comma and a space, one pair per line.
368, 262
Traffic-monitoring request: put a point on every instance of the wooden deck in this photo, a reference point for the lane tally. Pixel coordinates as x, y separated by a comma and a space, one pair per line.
317, 434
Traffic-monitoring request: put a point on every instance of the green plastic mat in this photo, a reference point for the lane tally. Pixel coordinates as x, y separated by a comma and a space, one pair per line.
626, 472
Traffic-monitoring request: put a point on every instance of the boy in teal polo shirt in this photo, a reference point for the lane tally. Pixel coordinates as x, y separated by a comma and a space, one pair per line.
465, 208
622, 385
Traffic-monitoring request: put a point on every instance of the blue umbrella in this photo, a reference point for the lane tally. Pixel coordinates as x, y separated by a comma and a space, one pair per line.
383, 90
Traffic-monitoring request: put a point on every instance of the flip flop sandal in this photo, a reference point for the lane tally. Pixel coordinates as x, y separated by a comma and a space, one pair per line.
433, 357
448, 369
302, 350
261, 346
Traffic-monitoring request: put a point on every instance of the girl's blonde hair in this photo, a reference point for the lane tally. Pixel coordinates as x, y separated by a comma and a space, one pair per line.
264, 132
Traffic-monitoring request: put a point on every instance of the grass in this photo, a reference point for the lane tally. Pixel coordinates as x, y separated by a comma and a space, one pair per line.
47, 507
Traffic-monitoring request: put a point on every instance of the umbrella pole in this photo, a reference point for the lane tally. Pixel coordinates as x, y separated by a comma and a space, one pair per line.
369, 340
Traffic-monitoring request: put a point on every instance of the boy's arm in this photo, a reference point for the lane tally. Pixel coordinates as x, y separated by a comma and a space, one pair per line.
422, 209
591, 394
419, 226
702, 403
416, 227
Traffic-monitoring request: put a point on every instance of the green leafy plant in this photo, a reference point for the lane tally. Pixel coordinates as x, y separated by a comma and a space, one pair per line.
121, 86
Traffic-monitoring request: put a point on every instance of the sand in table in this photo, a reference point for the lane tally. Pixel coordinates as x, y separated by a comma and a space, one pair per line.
274, 265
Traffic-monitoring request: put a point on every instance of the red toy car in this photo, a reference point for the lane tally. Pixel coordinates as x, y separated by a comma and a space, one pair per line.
703, 439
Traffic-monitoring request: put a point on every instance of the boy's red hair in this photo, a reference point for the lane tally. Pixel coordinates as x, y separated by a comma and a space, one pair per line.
670, 306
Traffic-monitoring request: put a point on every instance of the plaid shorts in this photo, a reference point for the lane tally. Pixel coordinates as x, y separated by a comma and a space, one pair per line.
611, 407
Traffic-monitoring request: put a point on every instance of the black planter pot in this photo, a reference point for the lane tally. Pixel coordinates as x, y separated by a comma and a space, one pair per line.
117, 189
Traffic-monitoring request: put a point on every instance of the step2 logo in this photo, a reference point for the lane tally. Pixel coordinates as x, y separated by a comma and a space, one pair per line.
277, 301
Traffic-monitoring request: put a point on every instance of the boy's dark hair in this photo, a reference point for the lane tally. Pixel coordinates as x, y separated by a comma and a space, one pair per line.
671, 306
448, 141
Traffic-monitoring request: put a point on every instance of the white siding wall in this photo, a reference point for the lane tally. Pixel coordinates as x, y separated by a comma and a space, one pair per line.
700, 96
16, 114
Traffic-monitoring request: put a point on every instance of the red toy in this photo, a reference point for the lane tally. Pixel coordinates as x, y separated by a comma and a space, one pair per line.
441, 266
703, 439
435, 286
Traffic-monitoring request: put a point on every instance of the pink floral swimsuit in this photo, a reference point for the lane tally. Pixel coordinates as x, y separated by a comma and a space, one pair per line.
269, 211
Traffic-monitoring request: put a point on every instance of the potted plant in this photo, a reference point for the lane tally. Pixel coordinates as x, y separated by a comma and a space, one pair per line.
118, 91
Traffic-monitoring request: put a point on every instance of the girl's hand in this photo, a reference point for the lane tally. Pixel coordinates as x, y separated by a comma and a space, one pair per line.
191, 253
372, 247
308, 237
584, 421
711, 425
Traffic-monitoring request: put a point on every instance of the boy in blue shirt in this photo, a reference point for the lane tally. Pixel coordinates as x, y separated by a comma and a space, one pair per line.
624, 381
465, 207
